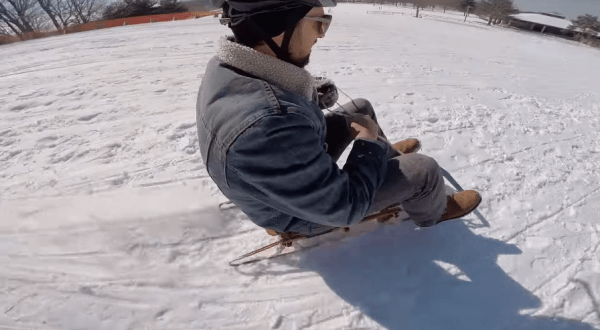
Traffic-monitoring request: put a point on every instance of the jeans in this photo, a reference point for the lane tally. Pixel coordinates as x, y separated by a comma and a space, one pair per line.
414, 180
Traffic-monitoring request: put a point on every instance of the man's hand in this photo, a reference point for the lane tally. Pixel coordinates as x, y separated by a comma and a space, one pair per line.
363, 127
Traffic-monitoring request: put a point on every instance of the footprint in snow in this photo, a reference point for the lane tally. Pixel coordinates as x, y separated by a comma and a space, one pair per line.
8, 133
46, 141
185, 126
86, 290
162, 314
67, 92
276, 323
5, 142
121, 179
9, 155
89, 117
432, 119
62, 157
21, 107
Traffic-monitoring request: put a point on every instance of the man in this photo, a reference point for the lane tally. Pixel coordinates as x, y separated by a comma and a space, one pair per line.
270, 150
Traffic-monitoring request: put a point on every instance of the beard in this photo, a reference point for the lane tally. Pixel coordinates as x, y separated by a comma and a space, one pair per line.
301, 62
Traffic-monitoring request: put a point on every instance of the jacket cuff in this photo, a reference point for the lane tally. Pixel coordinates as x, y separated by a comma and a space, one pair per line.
368, 160
375, 147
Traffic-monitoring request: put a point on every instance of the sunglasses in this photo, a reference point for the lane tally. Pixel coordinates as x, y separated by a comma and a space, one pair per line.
325, 21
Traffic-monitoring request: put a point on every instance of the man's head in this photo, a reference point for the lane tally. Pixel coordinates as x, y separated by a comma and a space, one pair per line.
283, 29
305, 35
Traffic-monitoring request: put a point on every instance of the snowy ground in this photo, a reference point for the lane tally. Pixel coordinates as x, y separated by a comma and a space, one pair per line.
108, 219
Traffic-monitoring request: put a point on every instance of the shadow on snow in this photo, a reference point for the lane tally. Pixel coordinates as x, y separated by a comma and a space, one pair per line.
393, 275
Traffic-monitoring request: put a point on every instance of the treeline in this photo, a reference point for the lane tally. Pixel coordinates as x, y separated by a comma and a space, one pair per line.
133, 8
24, 18
586, 29
494, 10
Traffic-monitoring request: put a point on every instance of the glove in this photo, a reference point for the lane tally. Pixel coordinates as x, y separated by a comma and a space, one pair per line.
326, 91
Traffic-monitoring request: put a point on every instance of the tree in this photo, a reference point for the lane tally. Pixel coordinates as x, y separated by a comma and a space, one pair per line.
38, 21
132, 8
5, 34
586, 27
421, 4
172, 6
585, 23
497, 9
467, 6
112, 10
24, 18
59, 12
4, 30
19, 16
84, 11
128, 8
448, 3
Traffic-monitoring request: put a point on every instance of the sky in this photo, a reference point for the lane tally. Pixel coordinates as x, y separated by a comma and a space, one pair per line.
569, 8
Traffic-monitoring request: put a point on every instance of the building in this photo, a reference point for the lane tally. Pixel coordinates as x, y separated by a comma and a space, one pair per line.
541, 22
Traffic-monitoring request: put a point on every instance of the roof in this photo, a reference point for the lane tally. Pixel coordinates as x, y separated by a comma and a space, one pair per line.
541, 19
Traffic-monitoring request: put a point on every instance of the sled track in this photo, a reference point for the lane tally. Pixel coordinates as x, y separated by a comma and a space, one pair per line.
550, 216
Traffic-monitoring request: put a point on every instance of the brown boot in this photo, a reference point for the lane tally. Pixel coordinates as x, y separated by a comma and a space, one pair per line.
272, 232
461, 204
407, 146
284, 236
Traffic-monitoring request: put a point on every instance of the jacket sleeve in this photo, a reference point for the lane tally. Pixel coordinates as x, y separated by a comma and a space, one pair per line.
283, 157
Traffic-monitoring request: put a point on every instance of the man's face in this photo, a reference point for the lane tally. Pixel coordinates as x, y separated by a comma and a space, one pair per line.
305, 37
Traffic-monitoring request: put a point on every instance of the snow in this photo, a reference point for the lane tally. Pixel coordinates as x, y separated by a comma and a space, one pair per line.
108, 219
428, 13
560, 23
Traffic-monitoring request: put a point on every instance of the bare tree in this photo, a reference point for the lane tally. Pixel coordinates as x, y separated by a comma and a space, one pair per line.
585, 23
586, 29
497, 9
18, 15
422, 4
129, 8
63, 13
467, 6
85, 11
4, 29
38, 20
172, 6
448, 3
25, 17
58, 11
132, 8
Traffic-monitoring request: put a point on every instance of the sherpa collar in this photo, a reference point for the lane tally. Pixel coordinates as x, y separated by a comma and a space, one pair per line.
268, 68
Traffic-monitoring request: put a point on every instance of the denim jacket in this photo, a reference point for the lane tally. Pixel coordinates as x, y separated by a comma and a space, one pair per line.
262, 139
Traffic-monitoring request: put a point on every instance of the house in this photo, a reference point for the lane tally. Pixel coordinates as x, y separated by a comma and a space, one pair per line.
541, 22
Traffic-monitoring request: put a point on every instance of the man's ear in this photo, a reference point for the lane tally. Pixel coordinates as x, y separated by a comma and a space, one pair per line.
279, 39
